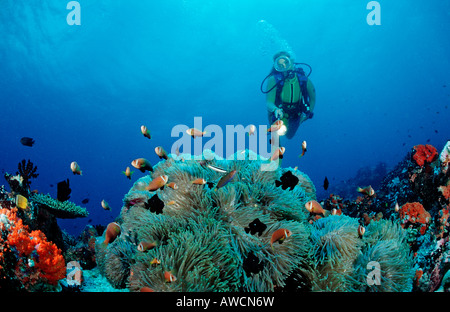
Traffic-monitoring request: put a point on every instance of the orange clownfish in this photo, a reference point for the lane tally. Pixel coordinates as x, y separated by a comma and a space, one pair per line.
251, 130
155, 262
142, 164
75, 168
368, 190
279, 236
303, 149
157, 183
195, 132
145, 132
276, 126
128, 173
361, 230
172, 185
144, 246
105, 205
112, 231
314, 207
169, 277
199, 181
278, 153
161, 152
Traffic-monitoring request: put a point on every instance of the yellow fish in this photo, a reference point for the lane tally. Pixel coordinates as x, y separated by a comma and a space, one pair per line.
21, 201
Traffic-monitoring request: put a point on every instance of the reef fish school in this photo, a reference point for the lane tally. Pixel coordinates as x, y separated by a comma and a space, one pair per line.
262, 142
228, 301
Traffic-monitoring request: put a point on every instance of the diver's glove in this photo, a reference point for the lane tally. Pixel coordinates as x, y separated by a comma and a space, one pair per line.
278, 113
309, 114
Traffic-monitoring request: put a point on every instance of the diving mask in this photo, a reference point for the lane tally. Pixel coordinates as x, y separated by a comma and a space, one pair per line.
282, 63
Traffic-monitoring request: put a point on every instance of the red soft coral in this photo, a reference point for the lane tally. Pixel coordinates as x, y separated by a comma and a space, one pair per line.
51, 262
424, 154
445, 190
415, 214
38, 259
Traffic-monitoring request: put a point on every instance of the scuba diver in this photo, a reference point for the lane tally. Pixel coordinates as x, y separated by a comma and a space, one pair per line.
290, 94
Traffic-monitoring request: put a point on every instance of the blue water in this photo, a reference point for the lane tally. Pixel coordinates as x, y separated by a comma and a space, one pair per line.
83, 91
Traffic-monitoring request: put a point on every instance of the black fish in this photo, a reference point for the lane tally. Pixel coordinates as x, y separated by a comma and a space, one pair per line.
287, 180
155, 204
325, 184
85, 201
256, 226
63, 190
252, 264
27, 141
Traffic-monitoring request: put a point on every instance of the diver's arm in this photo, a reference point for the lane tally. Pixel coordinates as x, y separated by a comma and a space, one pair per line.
312, 100
312, 94
270, 97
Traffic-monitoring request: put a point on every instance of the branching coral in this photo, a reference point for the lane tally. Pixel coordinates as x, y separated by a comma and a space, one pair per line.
27, 170
63, 210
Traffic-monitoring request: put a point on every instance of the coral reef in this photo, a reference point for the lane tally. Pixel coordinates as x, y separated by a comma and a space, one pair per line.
27, 170
202, 234
64, 210
424, 154
204, 238
28, 260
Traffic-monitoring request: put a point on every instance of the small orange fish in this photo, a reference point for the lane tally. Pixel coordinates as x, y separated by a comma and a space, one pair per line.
146, 289
128, 173
195, 132
278, 154
75, 168
161, 152
145, 132
251, 130
368, 190
172, 185
157, 183
155, 262
172, 202
276, 126
144, 246
142, 164
279, 236
361, 230
303, 149
199, 181
314, 207
112, 231
169, 277
105, 205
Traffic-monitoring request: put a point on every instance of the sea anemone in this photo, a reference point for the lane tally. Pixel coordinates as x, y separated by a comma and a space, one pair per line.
386, 254
203, 236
